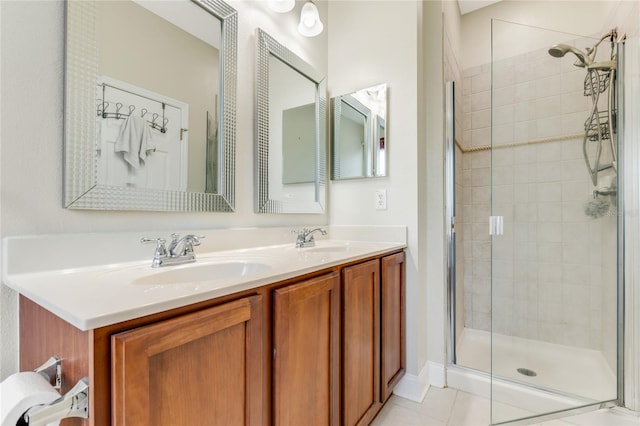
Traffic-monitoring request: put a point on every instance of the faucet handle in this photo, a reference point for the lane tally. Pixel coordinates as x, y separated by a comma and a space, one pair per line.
193, 240
161, 250
159, 241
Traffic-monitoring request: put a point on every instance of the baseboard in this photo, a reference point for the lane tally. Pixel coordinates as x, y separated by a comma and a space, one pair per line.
413, 387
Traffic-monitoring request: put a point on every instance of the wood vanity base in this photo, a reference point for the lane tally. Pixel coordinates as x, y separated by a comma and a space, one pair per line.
322, 348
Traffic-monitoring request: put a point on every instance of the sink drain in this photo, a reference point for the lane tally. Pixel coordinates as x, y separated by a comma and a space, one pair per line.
527, 372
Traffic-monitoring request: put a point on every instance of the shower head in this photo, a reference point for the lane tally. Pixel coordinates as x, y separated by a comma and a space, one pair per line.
559, 50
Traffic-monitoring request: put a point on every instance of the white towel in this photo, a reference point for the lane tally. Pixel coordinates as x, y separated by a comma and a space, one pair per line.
134, 141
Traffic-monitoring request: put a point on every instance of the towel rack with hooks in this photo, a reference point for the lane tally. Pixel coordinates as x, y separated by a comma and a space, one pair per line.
153, 123
118, 115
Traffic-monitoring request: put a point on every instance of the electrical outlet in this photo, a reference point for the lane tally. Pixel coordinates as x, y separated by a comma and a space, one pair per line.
381, 199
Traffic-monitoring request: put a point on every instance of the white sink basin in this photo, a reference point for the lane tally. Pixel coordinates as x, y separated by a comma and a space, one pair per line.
199, 272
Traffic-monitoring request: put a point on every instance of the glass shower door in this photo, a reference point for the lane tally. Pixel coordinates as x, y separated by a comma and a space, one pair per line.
554, 267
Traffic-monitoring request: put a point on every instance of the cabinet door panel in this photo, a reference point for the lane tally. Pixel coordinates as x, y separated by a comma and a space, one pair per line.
392, 330
361, 342
306, 352
197, 369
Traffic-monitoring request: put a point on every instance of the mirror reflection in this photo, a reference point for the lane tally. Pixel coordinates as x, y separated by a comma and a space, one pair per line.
358, 138
163, 100
290, 152
154, 128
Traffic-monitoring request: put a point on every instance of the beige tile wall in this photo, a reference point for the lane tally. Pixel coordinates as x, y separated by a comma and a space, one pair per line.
552, 277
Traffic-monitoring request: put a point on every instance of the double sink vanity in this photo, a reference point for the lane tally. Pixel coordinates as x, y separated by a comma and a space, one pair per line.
249, 333
263, 327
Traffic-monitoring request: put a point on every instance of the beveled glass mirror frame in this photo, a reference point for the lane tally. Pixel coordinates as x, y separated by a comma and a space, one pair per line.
81, 190
264, 201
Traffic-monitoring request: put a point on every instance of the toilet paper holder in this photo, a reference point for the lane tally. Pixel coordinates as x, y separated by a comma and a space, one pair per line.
52, 371
74, 403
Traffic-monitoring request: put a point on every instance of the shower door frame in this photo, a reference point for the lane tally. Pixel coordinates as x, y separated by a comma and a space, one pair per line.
450, 256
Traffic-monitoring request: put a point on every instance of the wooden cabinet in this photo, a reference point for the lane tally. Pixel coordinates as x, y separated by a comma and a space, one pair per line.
306, 352
202, 368
360, 343
325, 348
392, 320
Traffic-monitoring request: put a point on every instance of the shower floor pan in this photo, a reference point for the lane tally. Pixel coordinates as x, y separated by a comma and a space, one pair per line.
570, 370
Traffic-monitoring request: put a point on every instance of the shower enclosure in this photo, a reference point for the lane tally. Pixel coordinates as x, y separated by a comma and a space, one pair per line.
534, 284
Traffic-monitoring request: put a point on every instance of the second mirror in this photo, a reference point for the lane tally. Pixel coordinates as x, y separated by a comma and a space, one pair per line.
358, 136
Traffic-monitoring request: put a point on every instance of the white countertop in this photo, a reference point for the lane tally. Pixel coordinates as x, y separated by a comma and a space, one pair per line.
95, 296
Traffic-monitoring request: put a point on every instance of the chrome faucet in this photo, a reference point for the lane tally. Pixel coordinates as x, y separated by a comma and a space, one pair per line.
305, 237
180, 250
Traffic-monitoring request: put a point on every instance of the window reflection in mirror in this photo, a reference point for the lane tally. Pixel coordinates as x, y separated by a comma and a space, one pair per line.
152, 65
359, 142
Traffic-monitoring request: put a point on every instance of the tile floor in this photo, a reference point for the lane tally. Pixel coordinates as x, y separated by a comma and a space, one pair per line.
450, 407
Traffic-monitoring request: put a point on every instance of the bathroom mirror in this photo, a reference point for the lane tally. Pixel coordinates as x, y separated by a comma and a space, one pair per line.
150, 105
359, 135
291, 136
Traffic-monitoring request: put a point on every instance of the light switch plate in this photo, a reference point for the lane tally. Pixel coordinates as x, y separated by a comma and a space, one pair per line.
381, 199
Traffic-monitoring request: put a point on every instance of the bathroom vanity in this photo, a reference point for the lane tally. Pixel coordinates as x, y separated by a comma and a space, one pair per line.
316, 339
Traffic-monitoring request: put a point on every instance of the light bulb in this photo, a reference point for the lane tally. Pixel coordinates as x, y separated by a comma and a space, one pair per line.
282, 6
310, 24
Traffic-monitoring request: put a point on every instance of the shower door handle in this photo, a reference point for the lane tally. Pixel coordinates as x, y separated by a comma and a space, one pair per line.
496, 225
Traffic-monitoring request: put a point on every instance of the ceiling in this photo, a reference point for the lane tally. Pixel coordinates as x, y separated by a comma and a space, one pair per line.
467, 6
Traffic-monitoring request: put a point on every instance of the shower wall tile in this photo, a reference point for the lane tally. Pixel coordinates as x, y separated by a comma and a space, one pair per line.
574, 102
548, 192
549, 106
575, 191
502, 157
481, 118
504, 96
572, 121
481, 177
550, 213
523, 72
548, 270
480, 159
550, 232
549, 86
502, 175
574, 170
549, 126
481, 137
524, 91
502, 134
547, 67
572, 150
550, 252
523, 110
548, 151
572, 81
548, 294
548, 172
480, 83
480, 101
551, 312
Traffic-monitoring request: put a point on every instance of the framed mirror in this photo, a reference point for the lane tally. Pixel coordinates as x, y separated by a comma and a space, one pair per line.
150, 92
359, 134
291, 132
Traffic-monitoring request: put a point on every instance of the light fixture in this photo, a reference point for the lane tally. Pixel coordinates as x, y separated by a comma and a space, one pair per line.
310, 24
282, 6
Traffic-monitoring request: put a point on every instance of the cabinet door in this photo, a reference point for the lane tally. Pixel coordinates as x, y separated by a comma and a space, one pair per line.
392, 328
361, 342
203, 368
306, 352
